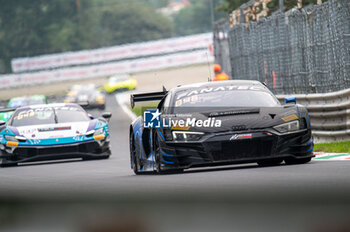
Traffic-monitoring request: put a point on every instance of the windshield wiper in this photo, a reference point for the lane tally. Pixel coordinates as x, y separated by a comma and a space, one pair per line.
55, 116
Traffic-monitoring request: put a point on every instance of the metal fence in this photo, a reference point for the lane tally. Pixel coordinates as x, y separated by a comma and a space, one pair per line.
300, 51
221, 45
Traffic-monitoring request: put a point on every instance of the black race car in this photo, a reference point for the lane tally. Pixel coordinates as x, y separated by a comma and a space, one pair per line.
88, 96
218, 123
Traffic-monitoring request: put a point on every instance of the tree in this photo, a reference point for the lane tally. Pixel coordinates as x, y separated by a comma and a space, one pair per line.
35, 27
196, 18
132, 22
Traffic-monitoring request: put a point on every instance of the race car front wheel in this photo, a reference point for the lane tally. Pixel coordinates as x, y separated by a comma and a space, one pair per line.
157, 158
270, 162
297, 161
134, 162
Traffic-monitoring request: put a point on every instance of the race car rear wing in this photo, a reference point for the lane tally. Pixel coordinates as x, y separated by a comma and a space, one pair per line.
5, 110
5, 116
153, 96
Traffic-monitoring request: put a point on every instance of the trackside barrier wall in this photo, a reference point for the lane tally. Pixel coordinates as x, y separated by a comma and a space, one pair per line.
329, 114
299, 51
108, 54
128, 66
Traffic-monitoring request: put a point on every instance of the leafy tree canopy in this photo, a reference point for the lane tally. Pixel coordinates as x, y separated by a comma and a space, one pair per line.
29, 28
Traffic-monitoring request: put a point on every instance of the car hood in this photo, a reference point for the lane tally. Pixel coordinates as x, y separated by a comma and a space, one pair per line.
236, 119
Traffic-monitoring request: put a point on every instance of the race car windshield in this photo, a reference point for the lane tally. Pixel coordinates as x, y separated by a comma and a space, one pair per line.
118, 79
71, 114
222, 100
48, 115
30, 117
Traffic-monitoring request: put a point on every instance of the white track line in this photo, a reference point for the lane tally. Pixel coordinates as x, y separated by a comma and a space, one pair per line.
122, 99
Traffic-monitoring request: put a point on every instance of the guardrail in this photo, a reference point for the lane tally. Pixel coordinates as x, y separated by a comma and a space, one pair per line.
108, 54
329, 114
107, 69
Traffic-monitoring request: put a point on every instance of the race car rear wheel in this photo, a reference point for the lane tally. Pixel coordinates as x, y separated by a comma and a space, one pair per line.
270, 162
297, 161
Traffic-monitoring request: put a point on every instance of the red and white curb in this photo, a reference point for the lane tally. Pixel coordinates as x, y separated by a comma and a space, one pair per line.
322, 156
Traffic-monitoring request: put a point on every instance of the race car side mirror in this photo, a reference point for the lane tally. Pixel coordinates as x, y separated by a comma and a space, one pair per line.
2, 123
290, 100
90, 116
107, 115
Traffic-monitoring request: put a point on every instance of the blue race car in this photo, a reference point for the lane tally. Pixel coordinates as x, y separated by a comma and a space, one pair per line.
53, 131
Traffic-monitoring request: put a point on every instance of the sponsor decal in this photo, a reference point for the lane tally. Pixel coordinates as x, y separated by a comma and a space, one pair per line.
34, 141
218, 89
239, 127
177, 127
241, 136
78, 138
152, 119
290, 117
54, 128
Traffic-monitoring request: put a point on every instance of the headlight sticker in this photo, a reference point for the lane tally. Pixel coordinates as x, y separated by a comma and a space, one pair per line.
290, 118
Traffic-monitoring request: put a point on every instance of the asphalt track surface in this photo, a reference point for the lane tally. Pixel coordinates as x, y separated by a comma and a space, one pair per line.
232, 193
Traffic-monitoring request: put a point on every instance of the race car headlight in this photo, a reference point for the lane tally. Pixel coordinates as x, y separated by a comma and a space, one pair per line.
98, 135
100, 98
288, 127
187, 135
11, 141
94, 133
11, 138
99, 131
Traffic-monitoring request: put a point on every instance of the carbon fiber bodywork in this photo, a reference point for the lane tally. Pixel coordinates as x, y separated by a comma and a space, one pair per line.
218, 149
245, 134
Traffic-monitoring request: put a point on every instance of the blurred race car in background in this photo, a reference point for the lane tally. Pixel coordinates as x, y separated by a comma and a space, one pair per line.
88, 96
16, 102
27, 101
218, 123
53, 131
120, 83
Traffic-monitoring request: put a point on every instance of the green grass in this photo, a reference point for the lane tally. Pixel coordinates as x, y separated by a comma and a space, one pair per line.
337, 147
138, 109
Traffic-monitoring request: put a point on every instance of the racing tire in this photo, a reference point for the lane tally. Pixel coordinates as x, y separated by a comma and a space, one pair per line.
157, 158
297, 161
134, 162
159, 170
270, 162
